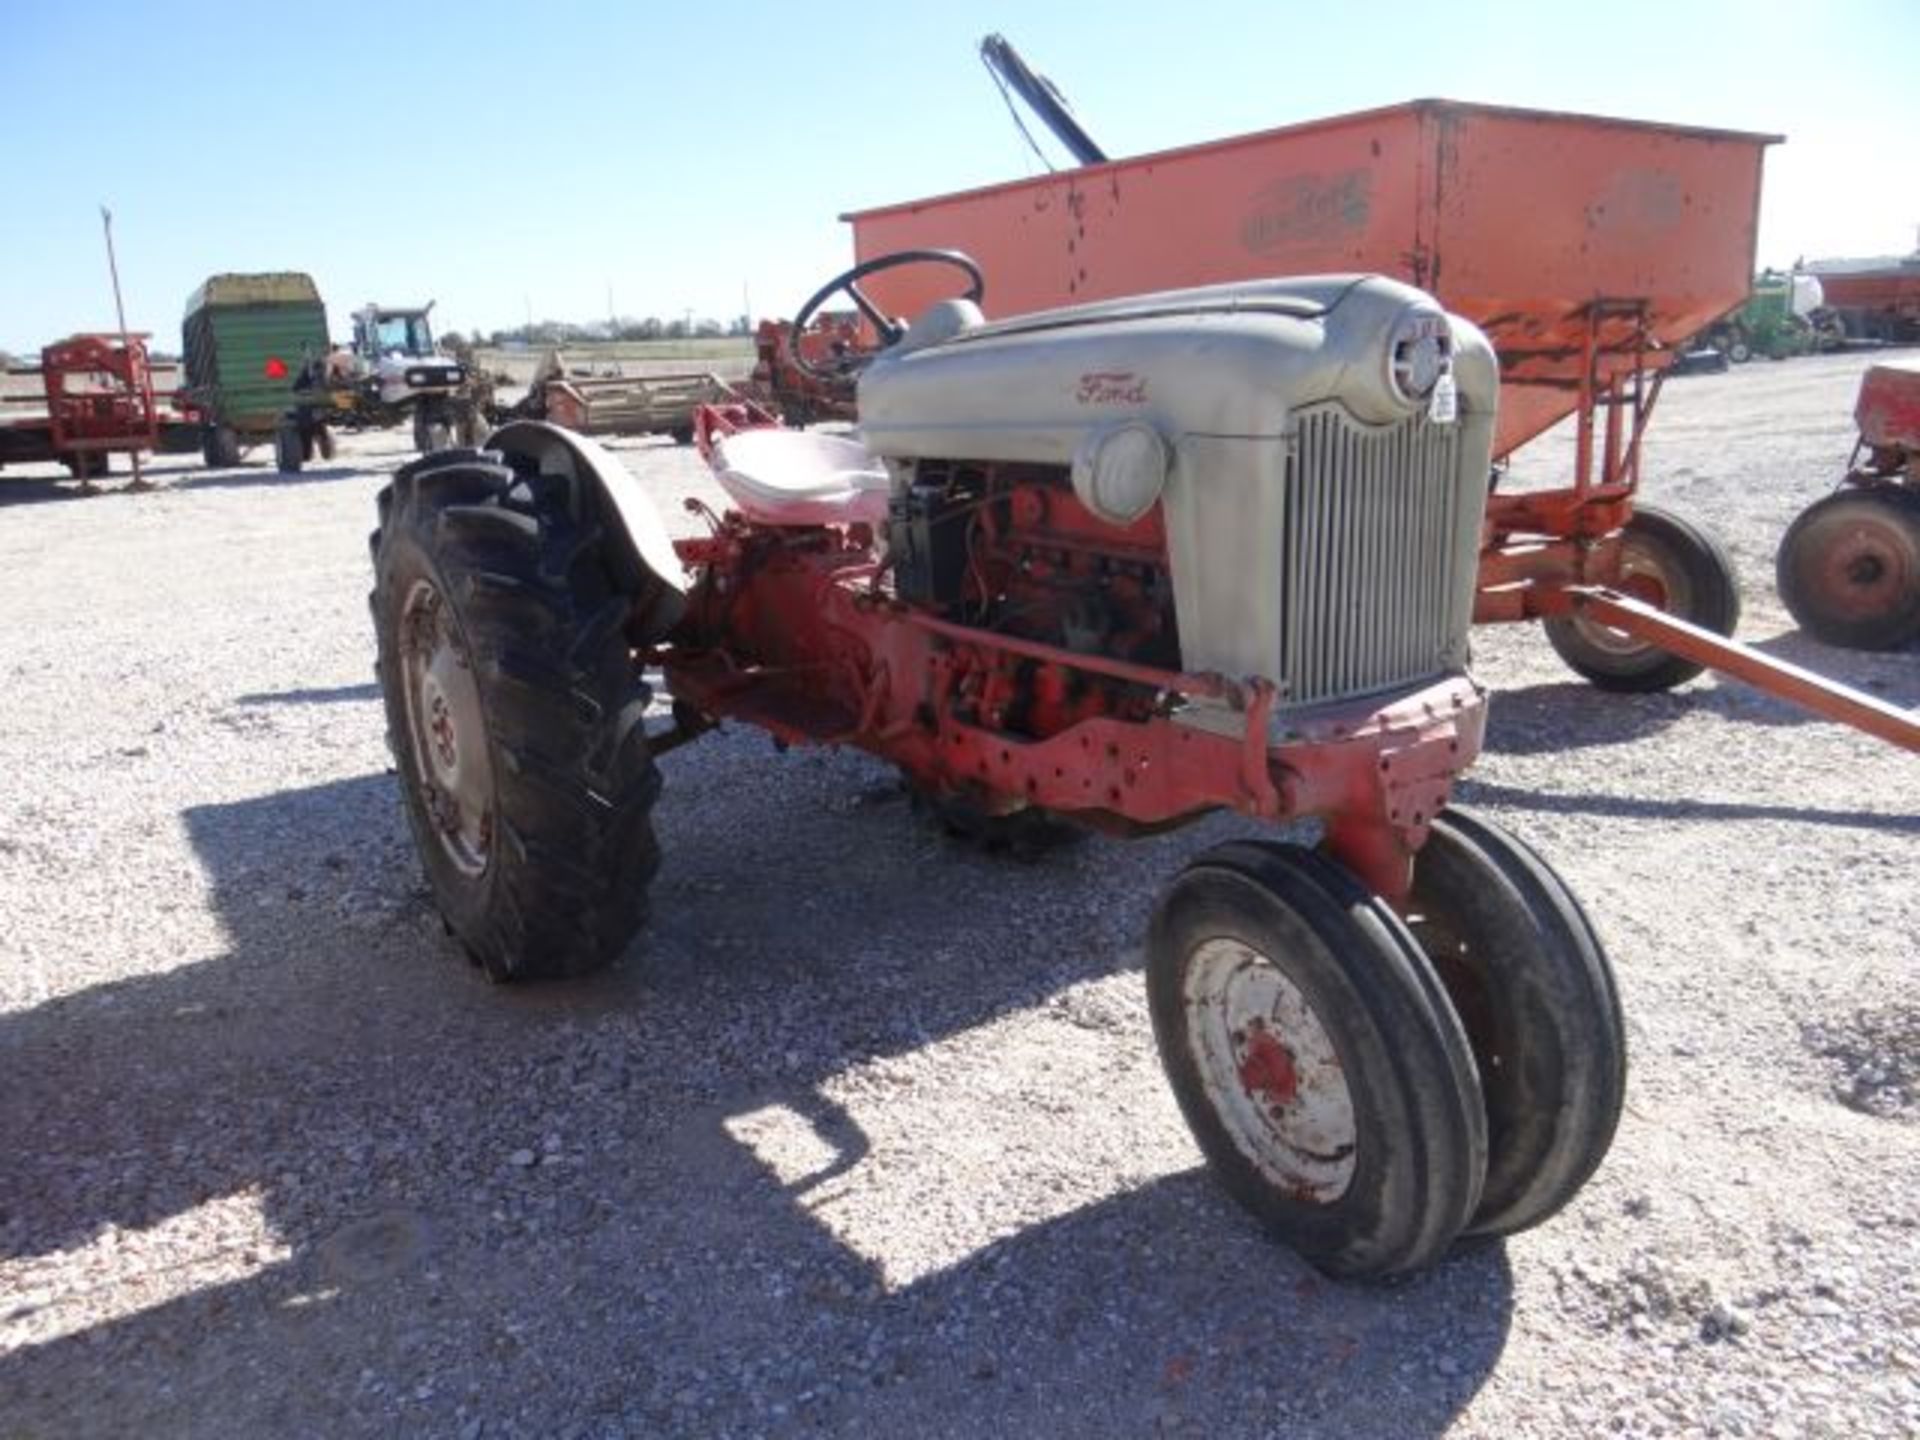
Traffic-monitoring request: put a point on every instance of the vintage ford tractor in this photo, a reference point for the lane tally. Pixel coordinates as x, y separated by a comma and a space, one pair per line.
1116, 567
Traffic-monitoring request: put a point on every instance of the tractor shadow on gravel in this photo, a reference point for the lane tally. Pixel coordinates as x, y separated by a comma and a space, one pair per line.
530, 1206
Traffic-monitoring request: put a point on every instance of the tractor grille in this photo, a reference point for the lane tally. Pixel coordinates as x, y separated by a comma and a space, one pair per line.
1379, 541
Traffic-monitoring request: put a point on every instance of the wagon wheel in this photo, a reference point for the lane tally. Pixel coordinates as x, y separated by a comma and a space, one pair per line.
1848, 567
1668, 562
220, 447
1533, 987
1316, 1058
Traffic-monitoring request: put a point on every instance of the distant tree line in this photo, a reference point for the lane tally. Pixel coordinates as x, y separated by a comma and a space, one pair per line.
623, 327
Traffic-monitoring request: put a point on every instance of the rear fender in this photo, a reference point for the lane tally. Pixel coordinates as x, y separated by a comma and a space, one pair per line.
643, 559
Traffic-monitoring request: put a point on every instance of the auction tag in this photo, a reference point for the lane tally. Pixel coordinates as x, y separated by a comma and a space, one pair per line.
1445, 407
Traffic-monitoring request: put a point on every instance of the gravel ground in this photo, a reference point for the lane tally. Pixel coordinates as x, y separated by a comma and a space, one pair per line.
867, 1136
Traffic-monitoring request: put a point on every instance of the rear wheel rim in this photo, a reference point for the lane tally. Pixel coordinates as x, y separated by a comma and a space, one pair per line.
446, 729
1270, 1071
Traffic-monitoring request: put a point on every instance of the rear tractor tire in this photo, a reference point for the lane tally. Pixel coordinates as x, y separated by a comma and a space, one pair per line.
1317, 1058
1848, 568
1669, 562
1531, 983
514, 712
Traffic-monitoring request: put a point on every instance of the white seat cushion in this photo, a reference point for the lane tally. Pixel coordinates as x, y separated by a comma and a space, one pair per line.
801, 477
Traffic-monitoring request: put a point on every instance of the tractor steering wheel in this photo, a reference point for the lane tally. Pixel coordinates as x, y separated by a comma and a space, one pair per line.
889, 329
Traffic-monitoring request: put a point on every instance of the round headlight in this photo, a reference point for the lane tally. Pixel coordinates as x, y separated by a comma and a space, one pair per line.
1119, 472
1420, 352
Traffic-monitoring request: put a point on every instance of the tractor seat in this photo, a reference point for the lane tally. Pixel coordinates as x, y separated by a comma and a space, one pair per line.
801, 477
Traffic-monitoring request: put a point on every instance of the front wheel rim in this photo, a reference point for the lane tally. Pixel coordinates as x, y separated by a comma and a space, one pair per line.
1270, 1071
446, 729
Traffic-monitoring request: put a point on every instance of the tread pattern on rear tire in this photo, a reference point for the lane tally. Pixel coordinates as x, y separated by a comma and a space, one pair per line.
519, 559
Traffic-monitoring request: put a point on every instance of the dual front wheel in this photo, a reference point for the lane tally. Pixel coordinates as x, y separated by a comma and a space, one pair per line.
1372, 1088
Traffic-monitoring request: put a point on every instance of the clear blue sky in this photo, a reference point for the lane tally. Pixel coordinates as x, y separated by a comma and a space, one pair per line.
498, 156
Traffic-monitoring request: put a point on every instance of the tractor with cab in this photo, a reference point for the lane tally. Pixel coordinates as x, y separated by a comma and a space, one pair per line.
394, 372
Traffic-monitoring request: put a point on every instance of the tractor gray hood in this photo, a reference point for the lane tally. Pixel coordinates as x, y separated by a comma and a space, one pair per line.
1221, 360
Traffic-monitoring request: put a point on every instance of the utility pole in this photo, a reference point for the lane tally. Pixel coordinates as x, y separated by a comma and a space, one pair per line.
139, 481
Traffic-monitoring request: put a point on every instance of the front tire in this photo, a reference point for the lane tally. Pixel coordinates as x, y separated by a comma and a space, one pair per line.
514, 713
1530, 980
1316, 1058
1848, 568
1669, 562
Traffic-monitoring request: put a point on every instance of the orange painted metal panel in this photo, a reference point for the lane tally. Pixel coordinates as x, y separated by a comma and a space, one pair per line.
1517, 219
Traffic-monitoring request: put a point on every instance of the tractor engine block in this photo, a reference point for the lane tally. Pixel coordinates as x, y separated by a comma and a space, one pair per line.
1010, 549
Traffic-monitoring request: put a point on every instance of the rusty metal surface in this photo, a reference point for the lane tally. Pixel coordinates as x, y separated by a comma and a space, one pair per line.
1888, 410
1517, 219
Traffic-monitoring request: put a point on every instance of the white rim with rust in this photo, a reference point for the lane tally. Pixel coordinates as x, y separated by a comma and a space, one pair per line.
446, 729
1270, 1071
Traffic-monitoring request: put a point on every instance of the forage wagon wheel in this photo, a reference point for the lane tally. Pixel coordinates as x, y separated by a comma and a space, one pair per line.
1531, 983
1848, 567
220, 447
514, 712
1668, 562
1316, 1058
